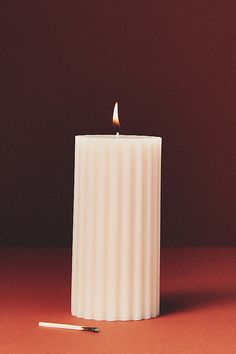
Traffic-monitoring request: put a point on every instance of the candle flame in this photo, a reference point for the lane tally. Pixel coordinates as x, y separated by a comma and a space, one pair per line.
116, 121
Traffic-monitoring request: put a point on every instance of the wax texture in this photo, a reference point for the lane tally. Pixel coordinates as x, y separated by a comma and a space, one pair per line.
116, 228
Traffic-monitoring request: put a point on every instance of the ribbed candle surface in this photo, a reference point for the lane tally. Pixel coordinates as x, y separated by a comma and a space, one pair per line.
116, 227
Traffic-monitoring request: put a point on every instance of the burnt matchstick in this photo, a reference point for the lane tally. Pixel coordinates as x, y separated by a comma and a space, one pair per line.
67, 326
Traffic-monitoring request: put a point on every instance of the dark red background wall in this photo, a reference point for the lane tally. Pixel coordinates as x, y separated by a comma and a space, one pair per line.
171, 66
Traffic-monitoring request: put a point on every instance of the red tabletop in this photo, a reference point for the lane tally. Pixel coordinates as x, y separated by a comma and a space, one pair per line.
198, 310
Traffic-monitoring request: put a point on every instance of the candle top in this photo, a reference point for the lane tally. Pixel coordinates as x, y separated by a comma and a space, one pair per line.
119, 137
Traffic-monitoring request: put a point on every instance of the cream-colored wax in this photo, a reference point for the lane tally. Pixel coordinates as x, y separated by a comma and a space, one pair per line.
116, 227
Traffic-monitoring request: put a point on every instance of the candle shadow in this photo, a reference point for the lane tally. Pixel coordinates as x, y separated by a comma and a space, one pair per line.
185, 301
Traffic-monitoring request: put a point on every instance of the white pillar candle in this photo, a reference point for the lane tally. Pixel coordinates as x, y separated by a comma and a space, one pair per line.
116, 227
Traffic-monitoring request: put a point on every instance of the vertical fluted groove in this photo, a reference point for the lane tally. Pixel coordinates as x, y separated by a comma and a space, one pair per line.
115, 230
132, 235
74, 277
90, 205
147, 234
155, 232
113, 234
124, 237
158, 219
138, 231
96, 231
99, 234
78, 279
83, 226
118, 234
79, 228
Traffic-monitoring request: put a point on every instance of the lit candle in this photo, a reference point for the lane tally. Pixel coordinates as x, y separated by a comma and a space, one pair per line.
116, 226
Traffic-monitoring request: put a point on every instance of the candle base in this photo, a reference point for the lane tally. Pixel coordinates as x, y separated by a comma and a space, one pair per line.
125, 319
